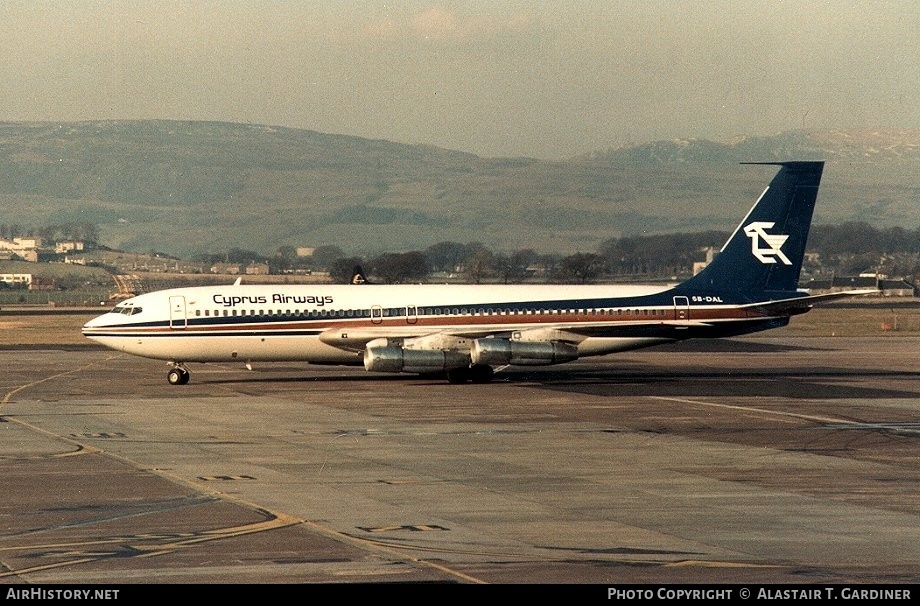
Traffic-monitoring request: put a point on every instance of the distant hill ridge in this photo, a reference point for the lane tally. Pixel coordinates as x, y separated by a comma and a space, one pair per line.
186, 187
865, 145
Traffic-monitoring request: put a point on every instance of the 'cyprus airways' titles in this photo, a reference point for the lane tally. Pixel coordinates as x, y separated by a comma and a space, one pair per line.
230, 301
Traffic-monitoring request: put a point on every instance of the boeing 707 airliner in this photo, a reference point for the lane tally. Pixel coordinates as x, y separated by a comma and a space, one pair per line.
465, 331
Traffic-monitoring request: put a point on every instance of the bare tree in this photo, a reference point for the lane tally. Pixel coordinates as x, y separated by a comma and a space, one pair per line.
395, 268
584, 267
478, 266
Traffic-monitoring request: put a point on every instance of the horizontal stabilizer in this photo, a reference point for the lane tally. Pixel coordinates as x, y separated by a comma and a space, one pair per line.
808, 301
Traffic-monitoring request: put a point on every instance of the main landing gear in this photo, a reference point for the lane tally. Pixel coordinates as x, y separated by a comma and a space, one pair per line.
178, 375
477, 373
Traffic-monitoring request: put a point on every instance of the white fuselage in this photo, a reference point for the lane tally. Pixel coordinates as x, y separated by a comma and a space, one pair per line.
333, 323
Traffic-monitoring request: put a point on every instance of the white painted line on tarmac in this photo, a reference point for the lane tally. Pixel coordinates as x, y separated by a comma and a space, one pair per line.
778, 413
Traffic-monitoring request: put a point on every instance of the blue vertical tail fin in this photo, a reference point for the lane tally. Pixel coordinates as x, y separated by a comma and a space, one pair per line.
766, 250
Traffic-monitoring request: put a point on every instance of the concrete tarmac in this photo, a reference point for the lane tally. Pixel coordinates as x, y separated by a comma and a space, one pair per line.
755, 460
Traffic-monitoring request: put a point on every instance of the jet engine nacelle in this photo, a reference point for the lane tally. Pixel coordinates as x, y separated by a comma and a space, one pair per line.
521, 353
399, 359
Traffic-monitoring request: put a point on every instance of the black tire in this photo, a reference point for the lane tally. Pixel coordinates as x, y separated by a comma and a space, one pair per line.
177, 376
458, 375
481, 373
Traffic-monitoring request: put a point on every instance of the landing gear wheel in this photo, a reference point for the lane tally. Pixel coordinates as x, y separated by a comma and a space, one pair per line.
481, 373
177, 376
458, 375
477, 373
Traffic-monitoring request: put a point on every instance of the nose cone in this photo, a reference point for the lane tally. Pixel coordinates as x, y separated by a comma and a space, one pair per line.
92, 325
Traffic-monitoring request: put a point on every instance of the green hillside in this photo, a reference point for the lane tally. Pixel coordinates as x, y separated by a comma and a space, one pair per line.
190, 187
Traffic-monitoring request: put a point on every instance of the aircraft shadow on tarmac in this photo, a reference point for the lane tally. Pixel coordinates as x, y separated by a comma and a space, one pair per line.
788, 383
622, 376
739, 378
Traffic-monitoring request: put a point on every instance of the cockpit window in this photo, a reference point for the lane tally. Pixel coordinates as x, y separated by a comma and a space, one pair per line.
128, 310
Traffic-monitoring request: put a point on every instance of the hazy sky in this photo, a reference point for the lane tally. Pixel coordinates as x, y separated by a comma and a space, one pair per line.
496, 78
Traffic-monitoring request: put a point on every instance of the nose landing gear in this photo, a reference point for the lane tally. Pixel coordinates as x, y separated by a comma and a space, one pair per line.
178, 375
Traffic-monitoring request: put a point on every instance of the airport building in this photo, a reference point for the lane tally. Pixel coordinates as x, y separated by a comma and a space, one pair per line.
888, 287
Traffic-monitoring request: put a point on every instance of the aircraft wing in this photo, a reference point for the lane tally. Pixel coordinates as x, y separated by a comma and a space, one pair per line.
456, 336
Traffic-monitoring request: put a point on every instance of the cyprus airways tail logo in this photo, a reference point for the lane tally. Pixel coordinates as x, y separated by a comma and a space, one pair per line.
756, 232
